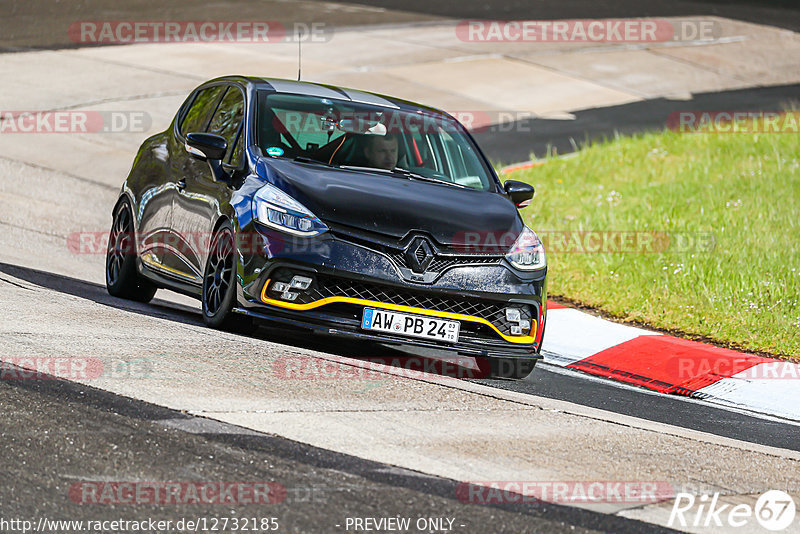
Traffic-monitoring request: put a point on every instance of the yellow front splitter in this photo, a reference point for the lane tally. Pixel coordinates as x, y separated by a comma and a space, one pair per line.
396, 307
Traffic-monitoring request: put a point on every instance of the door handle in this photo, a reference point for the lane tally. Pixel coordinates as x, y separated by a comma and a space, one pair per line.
181, 185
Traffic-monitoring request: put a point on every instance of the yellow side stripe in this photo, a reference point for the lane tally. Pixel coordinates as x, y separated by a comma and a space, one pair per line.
150, 261
399, 308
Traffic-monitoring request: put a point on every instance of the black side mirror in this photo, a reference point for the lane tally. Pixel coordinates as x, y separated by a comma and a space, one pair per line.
206, 146
521, 193
211, 148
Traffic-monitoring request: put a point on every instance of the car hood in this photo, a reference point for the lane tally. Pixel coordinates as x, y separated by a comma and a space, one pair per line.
395, 206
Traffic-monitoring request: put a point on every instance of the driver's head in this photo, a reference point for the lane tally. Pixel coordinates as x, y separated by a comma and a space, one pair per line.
381, 151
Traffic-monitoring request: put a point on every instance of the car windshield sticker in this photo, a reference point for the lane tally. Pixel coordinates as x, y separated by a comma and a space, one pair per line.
275, 151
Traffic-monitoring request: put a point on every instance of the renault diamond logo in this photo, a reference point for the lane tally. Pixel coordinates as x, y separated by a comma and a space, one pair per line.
419, 255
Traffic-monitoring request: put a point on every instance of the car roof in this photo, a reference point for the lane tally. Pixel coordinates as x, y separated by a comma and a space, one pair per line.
281, 85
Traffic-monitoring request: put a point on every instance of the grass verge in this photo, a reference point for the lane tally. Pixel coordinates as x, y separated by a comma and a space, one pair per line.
698, 233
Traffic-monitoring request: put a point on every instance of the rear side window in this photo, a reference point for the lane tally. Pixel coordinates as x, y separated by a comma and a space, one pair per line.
227, 120
200, 110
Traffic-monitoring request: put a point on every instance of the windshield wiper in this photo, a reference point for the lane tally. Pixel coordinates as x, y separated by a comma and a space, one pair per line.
410, 174
365, 169
306, 159
401, 172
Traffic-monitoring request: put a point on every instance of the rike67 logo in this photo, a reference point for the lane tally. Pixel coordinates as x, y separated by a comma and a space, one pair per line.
774, 510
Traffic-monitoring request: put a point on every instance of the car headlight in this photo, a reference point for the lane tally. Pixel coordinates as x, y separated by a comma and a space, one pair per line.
276, 209
527, 254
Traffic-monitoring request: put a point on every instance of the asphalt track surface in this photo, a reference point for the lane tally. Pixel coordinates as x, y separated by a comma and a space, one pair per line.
780, 13
546, 381
23, 27
40, 24
528, 139
27, 24
57, 430
103, 433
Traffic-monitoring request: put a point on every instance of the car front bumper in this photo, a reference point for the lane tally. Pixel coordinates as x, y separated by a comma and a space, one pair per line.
348, 277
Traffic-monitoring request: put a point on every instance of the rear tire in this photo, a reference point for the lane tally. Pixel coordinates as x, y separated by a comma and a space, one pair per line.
122, 280
219, 286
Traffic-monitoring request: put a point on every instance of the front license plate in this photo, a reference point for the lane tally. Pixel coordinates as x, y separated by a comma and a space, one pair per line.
410, 325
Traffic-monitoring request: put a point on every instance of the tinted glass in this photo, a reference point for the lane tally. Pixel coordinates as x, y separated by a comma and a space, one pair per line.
199, 112
235, 157
307, 127
228, 116
344, 133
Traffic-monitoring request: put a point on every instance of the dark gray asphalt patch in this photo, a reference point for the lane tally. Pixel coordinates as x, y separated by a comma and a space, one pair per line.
542, 382
516, 142
780, 13
56, 434
44, 24
546, 381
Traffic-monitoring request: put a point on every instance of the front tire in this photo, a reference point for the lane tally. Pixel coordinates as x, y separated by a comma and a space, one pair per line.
122, 280
219, 285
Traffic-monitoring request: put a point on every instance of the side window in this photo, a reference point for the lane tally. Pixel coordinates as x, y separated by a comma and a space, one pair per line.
228, 118
421, 152
454, 157
196, 118
235, 156
462, 163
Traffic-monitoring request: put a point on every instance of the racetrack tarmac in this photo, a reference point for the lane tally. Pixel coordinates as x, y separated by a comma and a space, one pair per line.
523, 140
322, 430
779, 13
101, 437
546, 381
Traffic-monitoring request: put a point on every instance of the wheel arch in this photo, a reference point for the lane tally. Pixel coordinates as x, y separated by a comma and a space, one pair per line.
126, 197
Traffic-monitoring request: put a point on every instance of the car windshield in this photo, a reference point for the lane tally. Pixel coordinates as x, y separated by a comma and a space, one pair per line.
413, 145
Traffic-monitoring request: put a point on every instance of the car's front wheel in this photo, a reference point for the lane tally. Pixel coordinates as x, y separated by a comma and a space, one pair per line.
219, 285
122, 280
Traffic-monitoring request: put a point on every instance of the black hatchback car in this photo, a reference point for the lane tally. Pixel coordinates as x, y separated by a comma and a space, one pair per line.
336, 210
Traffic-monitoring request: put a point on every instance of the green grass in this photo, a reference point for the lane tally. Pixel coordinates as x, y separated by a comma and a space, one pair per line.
744, 189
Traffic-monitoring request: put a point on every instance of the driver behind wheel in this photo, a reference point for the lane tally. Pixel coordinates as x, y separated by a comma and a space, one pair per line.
381, 151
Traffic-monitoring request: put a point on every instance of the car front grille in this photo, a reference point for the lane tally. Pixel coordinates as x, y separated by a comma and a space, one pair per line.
325, 286
445, 257
441, 263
